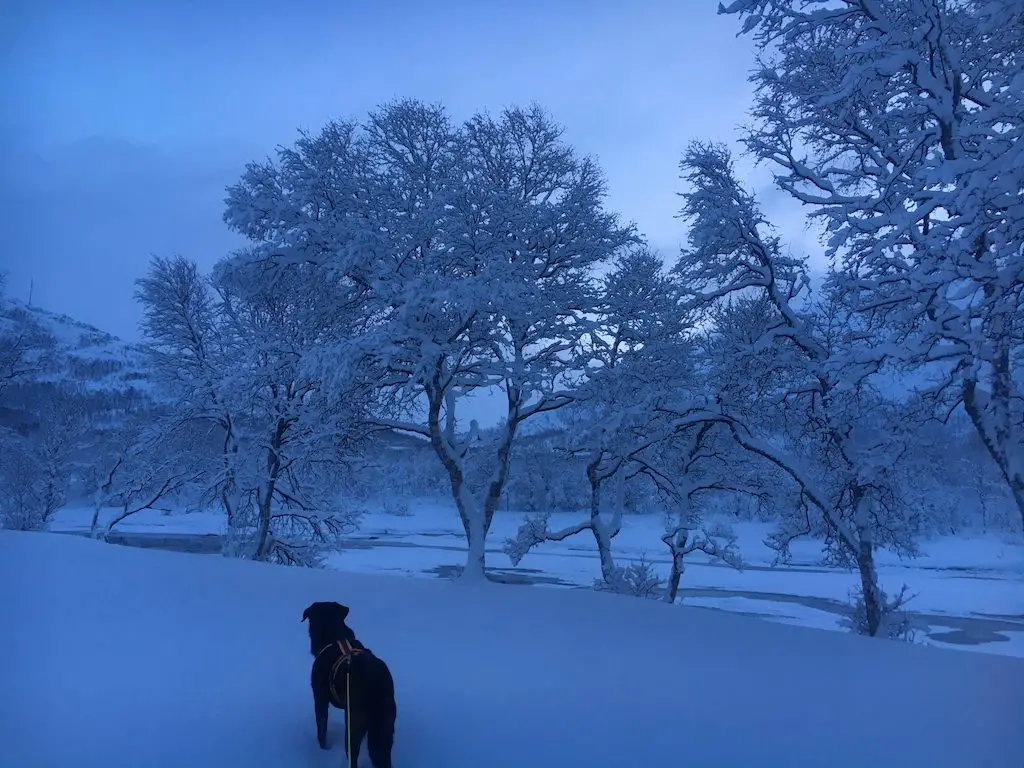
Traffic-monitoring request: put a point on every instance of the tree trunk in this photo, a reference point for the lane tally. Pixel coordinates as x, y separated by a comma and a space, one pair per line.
494, 489
990, 417
476, 541
477, 518
229, 449
873, 608
266, 500
604, 551
869, 586
229, 511
263, 525
101, 496
602, 534
1017, 489
476, 514
94, 527
677, 544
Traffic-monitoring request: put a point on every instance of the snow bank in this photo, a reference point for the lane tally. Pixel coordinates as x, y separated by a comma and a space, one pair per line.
114, 656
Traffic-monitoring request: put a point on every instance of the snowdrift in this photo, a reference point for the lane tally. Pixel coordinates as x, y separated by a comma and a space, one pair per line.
113, 656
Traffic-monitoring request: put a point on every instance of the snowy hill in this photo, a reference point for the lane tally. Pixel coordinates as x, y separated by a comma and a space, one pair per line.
79, 354
180, 659
92, 372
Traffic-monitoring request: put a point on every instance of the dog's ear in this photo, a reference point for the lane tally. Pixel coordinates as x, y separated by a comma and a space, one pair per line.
305, 614
342, 611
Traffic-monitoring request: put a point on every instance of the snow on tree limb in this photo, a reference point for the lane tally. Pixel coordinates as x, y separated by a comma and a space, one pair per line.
472, 246
899, 123
234, 351
821, 373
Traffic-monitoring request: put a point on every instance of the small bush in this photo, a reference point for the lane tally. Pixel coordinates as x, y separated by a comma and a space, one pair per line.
897, 623
639, 579
396, 507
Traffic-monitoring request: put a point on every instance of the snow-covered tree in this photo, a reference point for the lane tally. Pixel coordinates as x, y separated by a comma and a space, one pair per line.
604, 471
232, 352
272, 318
898, 123
641, 417
637, 356
473, 247
638, 310
147, 466
704, 462
190, 361
25, 346
838, 447
21, 508
12, 360
543, 476
35, 470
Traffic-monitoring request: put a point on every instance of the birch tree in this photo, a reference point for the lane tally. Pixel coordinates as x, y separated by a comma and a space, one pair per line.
474, 245
614, 427
232, 350
35, 471
139, 467
703, 463
189, 360
273, 317
26, 348
898, 124
824, 379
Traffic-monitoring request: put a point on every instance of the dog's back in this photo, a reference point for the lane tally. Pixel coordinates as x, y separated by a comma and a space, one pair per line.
348, 675
366, 688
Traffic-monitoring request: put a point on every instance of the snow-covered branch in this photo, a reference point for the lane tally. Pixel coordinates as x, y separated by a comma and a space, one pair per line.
899, 123
817, 362
472, 248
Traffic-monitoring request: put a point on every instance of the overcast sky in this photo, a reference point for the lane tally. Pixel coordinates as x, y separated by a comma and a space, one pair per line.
122, 122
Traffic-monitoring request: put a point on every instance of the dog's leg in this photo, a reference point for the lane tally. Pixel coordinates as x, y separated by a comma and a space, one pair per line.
321, 707
378, 744
356, 736
381, 736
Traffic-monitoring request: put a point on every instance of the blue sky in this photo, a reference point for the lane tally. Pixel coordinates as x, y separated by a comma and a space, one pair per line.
122, 122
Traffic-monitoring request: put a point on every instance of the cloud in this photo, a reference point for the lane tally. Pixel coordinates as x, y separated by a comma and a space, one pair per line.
133, 117
83, 219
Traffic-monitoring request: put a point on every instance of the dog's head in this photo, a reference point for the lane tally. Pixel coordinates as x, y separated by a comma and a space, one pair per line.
326, 624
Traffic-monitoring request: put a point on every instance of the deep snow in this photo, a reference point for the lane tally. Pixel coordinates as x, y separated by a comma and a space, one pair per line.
977, 579
114, 656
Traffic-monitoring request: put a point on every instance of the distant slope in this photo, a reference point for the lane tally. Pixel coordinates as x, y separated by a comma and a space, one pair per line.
81, 353
105, 374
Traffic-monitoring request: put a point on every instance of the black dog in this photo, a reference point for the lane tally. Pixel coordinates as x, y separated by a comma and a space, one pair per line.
347, 674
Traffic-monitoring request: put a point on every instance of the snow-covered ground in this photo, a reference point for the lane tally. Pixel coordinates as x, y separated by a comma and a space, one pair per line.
119, 656
969, 591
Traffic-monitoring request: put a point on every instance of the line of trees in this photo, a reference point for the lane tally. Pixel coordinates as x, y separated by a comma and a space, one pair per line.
400, 264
